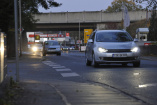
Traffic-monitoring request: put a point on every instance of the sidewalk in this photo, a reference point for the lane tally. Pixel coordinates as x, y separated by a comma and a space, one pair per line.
152, 58
35, 89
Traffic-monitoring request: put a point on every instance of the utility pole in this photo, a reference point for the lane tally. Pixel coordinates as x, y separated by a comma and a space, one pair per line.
16, 40
122, 15
79, 36
20, 28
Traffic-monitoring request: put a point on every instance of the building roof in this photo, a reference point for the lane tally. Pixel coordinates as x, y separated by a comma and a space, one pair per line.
142, 30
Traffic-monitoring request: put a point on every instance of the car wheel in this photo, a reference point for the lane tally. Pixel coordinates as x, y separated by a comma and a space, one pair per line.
94, 63
88, 63
136, 64
58, 54
124, 64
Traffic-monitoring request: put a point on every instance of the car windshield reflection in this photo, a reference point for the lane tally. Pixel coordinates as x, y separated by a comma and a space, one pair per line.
51, 43
113, 37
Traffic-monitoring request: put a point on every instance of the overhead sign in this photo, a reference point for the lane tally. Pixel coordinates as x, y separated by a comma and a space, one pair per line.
47, 35
52, 35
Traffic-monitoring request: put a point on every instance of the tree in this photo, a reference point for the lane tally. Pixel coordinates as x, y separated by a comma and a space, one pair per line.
152, 35
134, 26
29, 7
116, 6
6, 14
152, 5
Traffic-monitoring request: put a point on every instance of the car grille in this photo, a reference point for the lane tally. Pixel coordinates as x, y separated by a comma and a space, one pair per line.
118, 59
118, 50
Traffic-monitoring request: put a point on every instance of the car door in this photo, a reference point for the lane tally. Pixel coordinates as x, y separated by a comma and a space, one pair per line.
89, 47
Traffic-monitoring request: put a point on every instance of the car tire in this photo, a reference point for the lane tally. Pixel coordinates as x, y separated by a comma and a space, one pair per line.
124, 64
88, 63
136, 64
94, 63
58, 54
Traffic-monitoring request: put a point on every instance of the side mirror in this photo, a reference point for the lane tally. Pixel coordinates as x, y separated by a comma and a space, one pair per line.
135, 40
90, 40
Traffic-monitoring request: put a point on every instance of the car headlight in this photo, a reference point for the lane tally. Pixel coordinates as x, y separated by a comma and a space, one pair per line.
135, 49
100, 49
34, 48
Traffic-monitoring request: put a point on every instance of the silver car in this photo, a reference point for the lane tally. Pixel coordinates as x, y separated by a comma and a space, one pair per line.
51, 47
112, 46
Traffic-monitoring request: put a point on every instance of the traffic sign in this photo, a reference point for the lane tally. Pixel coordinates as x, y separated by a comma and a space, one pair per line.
67, 35
87, 33
37, 37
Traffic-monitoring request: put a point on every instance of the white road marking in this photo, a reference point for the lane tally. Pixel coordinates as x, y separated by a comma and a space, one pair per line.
63, 69
26, 52
60, 68
50, 63
64, 98
57, 67
47, 61
54, 65
69, 74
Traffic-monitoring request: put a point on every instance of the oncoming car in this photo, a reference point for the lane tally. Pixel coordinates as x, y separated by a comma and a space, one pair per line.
51, 47
112, 46
36, 47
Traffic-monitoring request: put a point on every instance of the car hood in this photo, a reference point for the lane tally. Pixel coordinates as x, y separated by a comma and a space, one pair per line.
116, 45
54, 46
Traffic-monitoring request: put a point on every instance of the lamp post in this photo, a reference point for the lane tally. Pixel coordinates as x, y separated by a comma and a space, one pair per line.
16, 40
122, 8
79, 35
20, 27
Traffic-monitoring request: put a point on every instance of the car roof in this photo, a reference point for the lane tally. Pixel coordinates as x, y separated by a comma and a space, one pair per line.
51, 41
110, 31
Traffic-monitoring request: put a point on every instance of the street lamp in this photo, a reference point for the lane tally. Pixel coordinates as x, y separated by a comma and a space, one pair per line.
16, 40
79, 35
20, 27
122, 8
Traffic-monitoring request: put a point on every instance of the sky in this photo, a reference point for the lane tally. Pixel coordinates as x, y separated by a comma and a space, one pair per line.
79, 5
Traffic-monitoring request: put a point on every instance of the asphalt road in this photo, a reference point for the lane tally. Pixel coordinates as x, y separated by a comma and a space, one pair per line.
140, 82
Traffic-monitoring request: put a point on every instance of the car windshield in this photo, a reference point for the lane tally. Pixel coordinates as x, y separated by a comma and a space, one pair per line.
113, 37
51, 43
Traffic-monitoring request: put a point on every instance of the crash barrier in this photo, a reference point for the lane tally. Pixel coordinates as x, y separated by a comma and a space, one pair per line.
148, 50
3, 57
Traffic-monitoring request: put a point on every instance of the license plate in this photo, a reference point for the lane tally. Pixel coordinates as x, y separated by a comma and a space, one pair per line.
51, 50
119, 55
